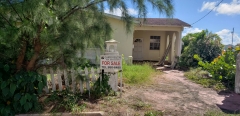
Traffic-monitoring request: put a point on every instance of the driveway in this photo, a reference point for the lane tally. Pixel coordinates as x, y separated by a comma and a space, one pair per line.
175, 95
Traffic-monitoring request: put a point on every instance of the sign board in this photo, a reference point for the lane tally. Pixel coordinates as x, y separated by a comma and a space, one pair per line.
111, 62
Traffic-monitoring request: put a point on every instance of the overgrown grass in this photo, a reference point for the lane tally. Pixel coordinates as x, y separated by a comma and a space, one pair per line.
138, 73
202, 77
218, 113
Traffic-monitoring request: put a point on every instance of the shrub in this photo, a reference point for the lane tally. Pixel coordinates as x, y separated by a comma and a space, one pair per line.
222, 68
99, 90
19, 91
203, 77
205, 44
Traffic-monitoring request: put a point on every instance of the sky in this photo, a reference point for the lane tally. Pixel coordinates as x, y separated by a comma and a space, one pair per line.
221, 20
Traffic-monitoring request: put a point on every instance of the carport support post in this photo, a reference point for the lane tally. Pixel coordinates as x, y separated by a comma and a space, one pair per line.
237, 76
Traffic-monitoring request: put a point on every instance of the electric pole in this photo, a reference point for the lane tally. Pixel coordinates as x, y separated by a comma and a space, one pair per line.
232, 36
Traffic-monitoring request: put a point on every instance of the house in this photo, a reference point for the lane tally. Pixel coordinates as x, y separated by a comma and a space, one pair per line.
153, 39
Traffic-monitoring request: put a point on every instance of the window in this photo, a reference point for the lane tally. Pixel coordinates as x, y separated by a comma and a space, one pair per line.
155, 42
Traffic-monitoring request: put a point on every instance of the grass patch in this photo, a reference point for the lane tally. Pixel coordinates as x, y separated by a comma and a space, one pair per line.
138, 73
218, 113
202, 77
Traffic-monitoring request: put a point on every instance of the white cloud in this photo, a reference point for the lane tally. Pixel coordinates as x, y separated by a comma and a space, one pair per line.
208, 6
191, 30
226, 36
232, 8
118, 11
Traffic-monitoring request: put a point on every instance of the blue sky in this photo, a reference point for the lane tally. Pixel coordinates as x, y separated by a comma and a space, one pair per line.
221, 20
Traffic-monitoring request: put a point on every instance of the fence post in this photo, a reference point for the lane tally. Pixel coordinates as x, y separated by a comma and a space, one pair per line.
237, 76
65, 78
59, 79
73, 80
93, 78
87, 81
46, 87
80, 82
53, 80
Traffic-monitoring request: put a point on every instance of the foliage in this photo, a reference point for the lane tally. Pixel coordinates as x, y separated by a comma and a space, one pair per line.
220, 113
137, 73
101, 87
33, 31
204, 78
206, 44
154, 113
65, 100
83, 62
222, 68
19, 91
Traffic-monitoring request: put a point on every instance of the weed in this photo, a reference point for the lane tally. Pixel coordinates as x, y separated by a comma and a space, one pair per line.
202, 77
141, 106
138, 73
218, 113
154, 113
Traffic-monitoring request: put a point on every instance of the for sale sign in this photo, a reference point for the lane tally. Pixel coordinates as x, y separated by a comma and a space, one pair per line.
111, 62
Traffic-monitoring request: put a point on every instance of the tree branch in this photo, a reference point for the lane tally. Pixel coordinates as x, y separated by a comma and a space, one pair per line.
76, 8
56, 62
15, 10
6, 20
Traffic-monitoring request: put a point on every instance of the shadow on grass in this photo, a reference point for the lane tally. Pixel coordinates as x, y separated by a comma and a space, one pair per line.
231, 102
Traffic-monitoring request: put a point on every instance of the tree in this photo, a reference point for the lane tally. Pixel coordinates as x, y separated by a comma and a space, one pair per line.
32, 31
205, 44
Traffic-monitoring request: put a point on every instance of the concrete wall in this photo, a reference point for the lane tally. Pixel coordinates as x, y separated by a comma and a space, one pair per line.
125, 39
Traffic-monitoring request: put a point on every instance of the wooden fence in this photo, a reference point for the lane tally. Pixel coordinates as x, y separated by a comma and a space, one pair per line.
58, 80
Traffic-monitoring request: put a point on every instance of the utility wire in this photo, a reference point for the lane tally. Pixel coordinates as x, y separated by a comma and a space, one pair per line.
207, 13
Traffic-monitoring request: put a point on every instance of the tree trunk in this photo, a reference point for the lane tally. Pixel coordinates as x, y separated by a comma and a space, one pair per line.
37, 50
21, 55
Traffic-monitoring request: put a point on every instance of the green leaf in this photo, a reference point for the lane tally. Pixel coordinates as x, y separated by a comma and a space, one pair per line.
26, 106
30, 105
5, 91
3, 84
28, 96
0, 76
33, 79
40, 85
12, 88
6, 67
17, 96
39, 78
23, 101
44, 79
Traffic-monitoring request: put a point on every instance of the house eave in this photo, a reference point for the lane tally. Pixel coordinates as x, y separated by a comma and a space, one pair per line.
166, 25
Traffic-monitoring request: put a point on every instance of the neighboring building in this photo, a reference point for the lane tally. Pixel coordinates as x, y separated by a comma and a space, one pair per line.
149, 39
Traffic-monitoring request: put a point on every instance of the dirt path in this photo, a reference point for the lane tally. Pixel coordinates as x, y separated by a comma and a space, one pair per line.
171, 93
174, 94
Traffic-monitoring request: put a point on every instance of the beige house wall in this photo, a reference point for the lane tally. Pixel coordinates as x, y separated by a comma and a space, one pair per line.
148, 54
125, 39
163, 31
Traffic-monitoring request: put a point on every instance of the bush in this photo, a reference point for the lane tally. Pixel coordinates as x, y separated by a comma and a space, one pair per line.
19, 91
222, 68
205, 44
99, 90
203, 77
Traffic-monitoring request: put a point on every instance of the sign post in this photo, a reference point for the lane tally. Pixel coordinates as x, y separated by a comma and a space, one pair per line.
111, 62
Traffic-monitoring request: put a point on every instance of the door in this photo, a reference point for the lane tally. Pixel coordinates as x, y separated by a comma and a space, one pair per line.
138, 49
